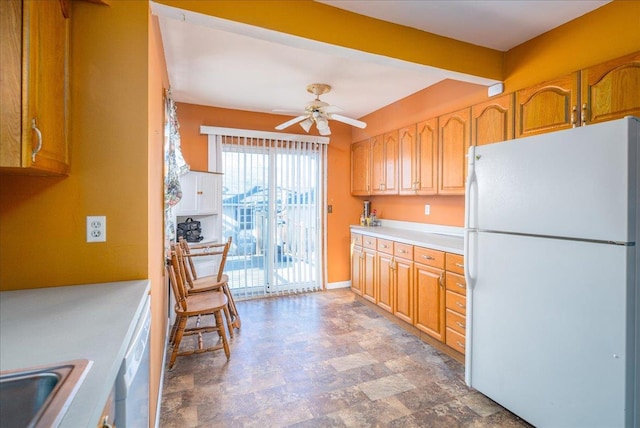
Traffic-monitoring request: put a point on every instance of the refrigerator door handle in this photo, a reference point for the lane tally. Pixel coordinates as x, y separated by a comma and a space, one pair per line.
471, 187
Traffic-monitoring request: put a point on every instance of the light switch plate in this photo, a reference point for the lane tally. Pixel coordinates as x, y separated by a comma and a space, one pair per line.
427, 209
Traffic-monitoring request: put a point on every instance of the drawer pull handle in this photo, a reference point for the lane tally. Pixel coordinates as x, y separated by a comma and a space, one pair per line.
460, 305
460, 265
459, 324
402, 251
384, 246
460, 344
461, 285
368, 242
424, 256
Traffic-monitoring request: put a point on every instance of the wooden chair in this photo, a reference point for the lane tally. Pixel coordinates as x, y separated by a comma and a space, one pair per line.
219, 281
199, 306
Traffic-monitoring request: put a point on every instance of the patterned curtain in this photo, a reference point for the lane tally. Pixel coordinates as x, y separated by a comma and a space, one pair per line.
174, 165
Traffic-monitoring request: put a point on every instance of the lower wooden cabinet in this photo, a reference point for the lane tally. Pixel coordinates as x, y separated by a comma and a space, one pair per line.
455, 302
429, 291
385, 274
420, 286
403, 306
368, 271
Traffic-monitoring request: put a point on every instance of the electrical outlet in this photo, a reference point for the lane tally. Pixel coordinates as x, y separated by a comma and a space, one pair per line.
96, 228
427, 209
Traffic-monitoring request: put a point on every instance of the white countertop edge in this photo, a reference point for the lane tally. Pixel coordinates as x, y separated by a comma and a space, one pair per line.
423, 227
437, 241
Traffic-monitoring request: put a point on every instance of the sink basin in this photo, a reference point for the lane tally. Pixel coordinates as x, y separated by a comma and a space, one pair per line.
39, 396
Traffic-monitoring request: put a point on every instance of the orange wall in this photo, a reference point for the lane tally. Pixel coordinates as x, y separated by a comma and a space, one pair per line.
345, 207
158, 82
116, 71
609, 32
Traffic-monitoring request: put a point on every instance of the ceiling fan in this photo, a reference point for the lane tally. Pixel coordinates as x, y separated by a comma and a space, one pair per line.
319, 112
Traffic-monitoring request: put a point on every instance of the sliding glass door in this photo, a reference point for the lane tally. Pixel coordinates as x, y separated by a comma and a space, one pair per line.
272, 209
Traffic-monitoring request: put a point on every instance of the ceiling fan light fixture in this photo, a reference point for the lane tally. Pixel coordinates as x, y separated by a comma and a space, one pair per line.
306, 124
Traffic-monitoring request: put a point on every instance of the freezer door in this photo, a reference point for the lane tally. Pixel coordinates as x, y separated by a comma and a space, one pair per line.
549, 323
578, 183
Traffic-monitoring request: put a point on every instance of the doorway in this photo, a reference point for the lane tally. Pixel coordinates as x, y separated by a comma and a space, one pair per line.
273, 194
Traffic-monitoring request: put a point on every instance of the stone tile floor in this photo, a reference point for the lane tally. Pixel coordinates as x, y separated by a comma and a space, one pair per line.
323, 359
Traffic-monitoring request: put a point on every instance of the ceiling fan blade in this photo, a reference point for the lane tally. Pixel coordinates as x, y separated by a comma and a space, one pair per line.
293, 121
330, 109
348, 120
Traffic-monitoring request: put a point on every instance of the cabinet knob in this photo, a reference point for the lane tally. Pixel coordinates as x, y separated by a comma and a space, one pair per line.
200, 192
460, 265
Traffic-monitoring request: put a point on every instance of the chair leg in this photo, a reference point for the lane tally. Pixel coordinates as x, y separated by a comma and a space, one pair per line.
227, 315
176, 345
232, 307
223, 335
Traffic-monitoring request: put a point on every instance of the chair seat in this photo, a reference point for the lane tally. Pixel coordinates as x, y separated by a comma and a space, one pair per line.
201, 304
208, 283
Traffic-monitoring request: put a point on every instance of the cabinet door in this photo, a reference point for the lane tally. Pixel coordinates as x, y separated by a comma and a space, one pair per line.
360, 168
429, 300
47, 87
427, 157
189, 202
208, 196
384, 160
549, 106
368, 280
455, 139
407, 160
492, 121
36, 96
403, 298
356, 270
611, 90
384, 281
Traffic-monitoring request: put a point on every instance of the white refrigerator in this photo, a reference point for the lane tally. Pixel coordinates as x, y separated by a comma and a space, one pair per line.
552, 269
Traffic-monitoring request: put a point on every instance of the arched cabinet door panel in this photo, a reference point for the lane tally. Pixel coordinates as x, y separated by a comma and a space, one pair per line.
549, 106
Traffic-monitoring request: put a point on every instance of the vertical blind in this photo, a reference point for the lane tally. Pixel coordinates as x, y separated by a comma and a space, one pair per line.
273, 208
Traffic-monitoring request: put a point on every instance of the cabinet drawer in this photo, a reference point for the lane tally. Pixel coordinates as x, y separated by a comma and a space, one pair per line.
369, 242
356, 239
429, 257
385, 246
404, 251
456, 283
455, 340
456, 302
455, 263
456, 322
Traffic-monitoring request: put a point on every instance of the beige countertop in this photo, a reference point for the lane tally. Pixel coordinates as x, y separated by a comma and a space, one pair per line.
437, 241
51, 325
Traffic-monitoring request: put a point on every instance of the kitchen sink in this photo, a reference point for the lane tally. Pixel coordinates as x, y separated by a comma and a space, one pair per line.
39, 396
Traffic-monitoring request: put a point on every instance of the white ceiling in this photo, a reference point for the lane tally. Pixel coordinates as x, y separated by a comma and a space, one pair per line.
220, 63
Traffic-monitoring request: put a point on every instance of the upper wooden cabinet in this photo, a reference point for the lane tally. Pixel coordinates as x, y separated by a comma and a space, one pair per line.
492, 121
360, 168
611, 90
549, 106
418, 158
34, 89
454, 138
384, 164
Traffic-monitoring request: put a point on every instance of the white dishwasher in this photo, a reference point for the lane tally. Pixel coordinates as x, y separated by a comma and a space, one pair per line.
132, 384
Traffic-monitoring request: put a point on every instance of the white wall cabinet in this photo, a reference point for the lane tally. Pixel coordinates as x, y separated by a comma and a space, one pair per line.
202, 201
201, 193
